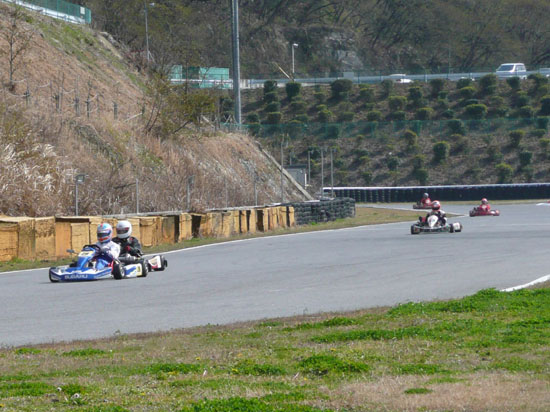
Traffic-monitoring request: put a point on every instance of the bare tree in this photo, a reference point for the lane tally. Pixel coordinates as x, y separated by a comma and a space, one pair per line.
18, 37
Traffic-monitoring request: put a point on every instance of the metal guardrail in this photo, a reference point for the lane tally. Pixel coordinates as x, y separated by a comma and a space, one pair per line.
455, 192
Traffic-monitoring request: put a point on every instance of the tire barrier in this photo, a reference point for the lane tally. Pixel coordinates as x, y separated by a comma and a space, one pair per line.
445, 193
319, 211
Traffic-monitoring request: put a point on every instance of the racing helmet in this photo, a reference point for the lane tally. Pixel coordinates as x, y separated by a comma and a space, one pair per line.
425, 196
123, 229
484, 201
436, 205
104, 233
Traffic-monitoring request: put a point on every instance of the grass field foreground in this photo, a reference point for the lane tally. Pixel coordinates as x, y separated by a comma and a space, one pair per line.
486, 352
364, 216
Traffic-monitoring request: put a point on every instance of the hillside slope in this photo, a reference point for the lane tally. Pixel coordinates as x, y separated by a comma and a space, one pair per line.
75, 107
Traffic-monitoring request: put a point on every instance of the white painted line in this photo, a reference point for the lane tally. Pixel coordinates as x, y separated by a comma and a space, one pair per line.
539, 280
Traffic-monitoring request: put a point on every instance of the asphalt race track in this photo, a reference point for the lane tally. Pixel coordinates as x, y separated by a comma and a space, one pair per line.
284, 275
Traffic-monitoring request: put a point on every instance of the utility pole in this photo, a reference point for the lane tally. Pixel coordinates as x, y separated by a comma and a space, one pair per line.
331, 174
282, 178
308, 167
236, 63
137, 195
322, 170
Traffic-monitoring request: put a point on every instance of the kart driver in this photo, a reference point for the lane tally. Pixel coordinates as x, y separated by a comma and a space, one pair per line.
105, 241
485, 206
128, 244
425, 201
436, 210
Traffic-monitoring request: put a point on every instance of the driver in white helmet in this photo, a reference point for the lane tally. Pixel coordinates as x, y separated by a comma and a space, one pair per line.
128, 244
437, 211
105, 241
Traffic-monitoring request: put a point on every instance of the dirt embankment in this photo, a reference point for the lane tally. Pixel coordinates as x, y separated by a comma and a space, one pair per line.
77, 105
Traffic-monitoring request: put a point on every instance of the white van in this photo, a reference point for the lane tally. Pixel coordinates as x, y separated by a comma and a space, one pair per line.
512, 70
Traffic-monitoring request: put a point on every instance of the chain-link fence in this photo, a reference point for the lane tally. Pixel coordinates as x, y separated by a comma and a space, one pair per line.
57, 8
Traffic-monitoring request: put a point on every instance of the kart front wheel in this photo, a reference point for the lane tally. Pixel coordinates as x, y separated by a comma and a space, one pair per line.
144, 269
117, 271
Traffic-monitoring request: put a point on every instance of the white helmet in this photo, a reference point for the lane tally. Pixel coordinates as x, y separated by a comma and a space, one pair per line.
104, 233
123, 229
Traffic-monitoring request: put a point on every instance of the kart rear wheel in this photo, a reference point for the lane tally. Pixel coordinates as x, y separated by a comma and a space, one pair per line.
52, 279
144, 269
413, 230
117, 271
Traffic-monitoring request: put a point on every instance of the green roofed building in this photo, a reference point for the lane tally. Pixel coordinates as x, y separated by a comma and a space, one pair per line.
202, 77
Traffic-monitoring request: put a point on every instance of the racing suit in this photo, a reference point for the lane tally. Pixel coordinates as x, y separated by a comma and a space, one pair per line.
426, 201
485, 208
109, 249
129, 245
441, 217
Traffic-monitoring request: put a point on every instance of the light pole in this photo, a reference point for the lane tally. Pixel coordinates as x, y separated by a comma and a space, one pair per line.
147, 30
78, 179
294, 45
236, 58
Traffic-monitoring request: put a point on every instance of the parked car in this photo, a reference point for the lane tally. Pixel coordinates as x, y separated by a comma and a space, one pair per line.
512, 70
545, 71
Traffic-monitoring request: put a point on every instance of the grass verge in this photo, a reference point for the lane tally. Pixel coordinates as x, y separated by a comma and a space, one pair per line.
485, 352
364, 216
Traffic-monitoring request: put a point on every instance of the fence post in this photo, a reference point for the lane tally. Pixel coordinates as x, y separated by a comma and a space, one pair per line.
77, 106
115, 110
88, 108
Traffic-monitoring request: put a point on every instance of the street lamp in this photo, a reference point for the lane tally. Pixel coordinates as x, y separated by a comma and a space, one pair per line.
294, 45
78, 180
147, 30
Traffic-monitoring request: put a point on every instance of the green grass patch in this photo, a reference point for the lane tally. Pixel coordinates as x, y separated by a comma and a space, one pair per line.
420, 369
12, 389
27, 351
417, 391
321, 365
255, 369
245, 405
85, 352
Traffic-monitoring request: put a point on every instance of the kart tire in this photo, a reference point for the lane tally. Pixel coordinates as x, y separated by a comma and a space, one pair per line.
452, 229
117, 271
413, 231
144, 269
52, 279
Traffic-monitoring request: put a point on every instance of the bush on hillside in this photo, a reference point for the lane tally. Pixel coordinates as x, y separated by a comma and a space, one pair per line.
493, 154
488, 84
332, 132
460, 144
319, 96
542, 122
324, 115
292, 90
298, 106
448, 114
410, 137
274, 118
421, 175
443, 95
366, 94
520, 98
392, 162
346, 117
516, 137
400, 115
253, 118
273, 107
475, 111
396, 103
341, 88
255, 128
544, 106
270, 86
539, 84
436, 86
441, 151
386, 88
418, 161
544, 144
461, 83
525, 158
271, 97
504, 172
294, 128
425, 113
525, 112
467, 92
304, 118
456, 126
367, 177
374, 116
415, 96
514, 82
538, 133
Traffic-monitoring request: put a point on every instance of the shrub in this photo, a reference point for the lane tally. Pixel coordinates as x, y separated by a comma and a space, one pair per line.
270, 86
253, 118
341, 88
468, 102
273, 107
456, 126
442, 104
292, 89
514, 82
421, 175
418, 161
460, 144
319, 97
255, 128
346, 117
274, 118
392, 162
542, 122
520, 99
364, 160
544, 145
374, 116
304, 118
294, 128
436, 86
494, 154
443, 94
544, 106
448, 114
462, 83
387, 87
525, 158
538, 133
525, 112
399, 115
528, 172
396, 103
410, 137
497, 112
475, 111
467, 92
367, 177
488, 84
298, 106
441, 151
424, 113
504, 172
333, 131
271, 97
366, 94
515, 137
540, 84
325, 115
415, 96
321, 107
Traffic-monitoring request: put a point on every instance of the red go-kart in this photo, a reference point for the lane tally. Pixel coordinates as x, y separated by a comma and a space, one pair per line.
420, 205
477, 211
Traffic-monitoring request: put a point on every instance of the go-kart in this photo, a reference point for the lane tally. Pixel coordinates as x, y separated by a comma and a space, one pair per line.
433, 225
477, 211
420, 205
92, 264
